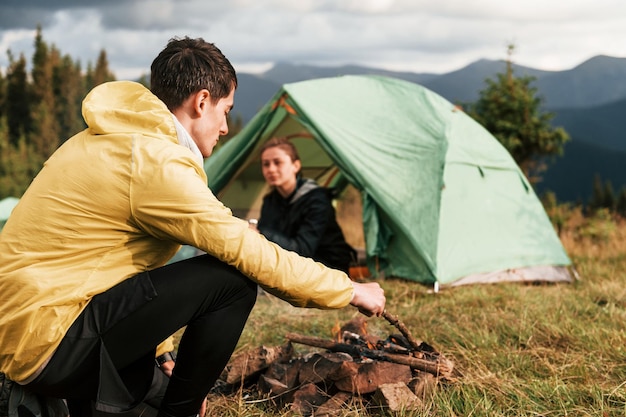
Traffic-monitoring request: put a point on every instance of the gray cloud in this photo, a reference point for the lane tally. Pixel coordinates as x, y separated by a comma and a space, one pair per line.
411, 35
20, 14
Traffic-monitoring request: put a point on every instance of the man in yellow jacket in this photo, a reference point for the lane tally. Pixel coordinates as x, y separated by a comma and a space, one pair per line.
86, 299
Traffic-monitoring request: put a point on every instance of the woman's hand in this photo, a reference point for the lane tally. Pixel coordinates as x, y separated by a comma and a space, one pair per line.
252, 224
369, 298
167, 367
166, 362
203, 408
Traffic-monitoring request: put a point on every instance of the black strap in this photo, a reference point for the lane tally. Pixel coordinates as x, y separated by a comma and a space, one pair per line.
167, 356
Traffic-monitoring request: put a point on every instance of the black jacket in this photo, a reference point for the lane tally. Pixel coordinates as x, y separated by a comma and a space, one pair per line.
305, 223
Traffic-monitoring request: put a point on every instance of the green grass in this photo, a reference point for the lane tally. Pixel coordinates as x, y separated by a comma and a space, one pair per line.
522, 350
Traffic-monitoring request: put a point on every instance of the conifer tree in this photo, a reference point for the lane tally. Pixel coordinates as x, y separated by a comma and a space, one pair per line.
101, 73
69, 91
609, 196
620, 204
45, 132
3, 92
18, 164
597, 199
17, 103
89, 77
144, 80
510, 108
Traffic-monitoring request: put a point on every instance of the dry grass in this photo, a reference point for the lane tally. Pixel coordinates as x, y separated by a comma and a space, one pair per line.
523, 350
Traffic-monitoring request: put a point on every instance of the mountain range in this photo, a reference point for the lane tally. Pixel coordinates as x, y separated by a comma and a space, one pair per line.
588, 101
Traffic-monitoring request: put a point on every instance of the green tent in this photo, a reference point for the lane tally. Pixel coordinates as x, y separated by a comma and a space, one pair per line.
6, 207
443, 202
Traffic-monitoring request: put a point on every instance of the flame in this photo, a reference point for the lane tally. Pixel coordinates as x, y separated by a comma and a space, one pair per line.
363, 328
335, 331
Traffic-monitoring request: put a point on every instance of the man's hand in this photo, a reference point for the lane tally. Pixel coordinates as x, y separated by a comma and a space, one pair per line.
369, 298
167, 367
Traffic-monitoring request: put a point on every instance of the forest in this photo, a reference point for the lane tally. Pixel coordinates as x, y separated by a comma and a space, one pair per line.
40, 108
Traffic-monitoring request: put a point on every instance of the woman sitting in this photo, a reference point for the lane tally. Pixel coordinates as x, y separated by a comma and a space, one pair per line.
298, 214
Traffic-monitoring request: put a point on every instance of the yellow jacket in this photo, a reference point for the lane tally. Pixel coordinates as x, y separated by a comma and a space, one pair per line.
117, 199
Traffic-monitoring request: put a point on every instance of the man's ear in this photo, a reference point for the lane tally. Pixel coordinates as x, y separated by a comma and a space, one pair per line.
201, 99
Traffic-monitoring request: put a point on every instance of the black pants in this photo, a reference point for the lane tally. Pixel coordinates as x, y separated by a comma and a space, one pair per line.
107, 356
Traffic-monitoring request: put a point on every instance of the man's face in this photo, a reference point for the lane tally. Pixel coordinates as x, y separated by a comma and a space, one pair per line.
212, 123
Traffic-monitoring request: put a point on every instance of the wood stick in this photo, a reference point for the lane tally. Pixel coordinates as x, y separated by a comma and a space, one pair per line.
440, 367
393, 319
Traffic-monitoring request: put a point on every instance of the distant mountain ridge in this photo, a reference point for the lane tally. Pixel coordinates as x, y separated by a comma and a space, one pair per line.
587, 100
603, 126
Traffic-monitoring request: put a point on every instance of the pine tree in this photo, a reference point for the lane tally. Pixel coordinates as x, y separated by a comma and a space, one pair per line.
144, 80
597, 199
3, 93
620, 204
89, 77
68, 92
45, 130
510, 109
17, 103
609, 200
101, 73
18, 164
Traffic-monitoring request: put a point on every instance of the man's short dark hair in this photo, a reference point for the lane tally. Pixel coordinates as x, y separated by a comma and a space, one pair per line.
187, 66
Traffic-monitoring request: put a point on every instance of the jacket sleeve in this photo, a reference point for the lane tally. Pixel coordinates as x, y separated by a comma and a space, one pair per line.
166, 346
171, 200
308, 220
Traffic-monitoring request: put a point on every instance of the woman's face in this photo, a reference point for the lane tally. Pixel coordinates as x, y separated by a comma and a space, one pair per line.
278, 168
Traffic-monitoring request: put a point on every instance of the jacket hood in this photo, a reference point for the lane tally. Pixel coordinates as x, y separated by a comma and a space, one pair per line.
304, 187
125, 107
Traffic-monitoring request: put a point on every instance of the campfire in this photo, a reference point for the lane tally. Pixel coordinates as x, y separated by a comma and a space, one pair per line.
396, 373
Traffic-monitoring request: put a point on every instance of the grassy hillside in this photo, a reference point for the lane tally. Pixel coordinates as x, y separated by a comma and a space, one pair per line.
523, 350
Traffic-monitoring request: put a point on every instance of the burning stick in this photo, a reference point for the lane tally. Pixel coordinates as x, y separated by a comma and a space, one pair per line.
439, 367
403, 329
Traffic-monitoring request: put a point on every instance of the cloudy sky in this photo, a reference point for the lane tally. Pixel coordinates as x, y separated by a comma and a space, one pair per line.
407, 35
